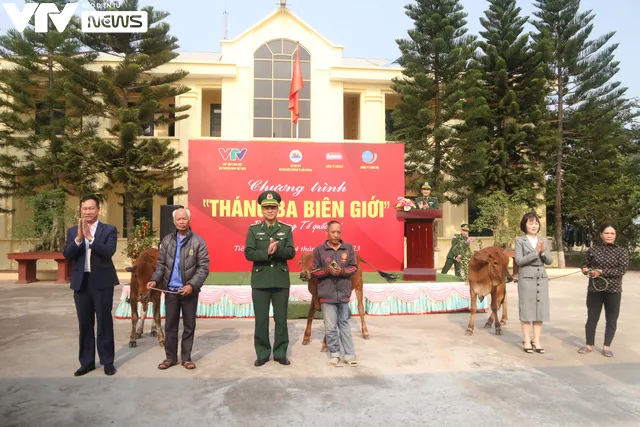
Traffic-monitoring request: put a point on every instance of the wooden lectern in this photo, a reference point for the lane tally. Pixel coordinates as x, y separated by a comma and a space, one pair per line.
419, 226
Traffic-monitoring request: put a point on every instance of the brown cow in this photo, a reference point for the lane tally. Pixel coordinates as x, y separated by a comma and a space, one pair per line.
141, 273
489, 274
306, 265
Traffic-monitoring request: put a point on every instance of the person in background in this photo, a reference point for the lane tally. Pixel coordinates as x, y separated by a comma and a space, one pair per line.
532, 253
426, 201
459, 248
610, 262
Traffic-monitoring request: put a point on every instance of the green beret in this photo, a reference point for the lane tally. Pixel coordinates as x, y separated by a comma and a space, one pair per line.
269, 198
464, 227
425, 186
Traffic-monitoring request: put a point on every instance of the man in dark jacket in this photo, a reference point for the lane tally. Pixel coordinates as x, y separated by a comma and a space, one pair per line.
90, 247
334, 264
183, 265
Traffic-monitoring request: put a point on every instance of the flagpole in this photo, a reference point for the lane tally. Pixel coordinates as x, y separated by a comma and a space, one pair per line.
297, 124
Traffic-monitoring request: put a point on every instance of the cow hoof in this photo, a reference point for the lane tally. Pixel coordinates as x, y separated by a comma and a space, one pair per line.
488, 325
305, 341
161, 344
469, 332
366, 337
153, 333
132, 344
323, 350
498, 331
138, 334
503, 322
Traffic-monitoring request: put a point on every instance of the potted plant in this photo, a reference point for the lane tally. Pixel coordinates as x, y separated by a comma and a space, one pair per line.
143, 239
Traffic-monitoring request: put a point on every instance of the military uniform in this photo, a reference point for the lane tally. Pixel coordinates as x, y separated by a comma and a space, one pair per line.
429, 202
459, 246
270, 281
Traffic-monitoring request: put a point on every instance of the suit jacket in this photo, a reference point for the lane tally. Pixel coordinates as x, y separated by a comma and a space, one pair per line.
103, 272
269, 271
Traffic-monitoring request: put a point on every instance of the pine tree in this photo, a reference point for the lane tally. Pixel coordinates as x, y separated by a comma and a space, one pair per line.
139, 168
580, 70
604, 185
513, 73
46, 127
434, 57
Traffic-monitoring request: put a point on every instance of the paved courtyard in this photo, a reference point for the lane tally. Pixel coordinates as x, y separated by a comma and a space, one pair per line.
415, 370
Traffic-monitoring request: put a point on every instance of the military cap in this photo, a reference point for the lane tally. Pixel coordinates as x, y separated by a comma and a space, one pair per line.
464, 227
426, 186
269, 198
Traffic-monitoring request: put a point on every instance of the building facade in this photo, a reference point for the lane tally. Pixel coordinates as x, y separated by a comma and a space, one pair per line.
241, 94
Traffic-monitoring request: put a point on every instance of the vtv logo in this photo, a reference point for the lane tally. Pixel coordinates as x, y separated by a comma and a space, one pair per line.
43, 11
233, 154
135, 21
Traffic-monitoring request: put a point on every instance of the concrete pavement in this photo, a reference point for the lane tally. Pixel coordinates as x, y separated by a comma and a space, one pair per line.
415, 370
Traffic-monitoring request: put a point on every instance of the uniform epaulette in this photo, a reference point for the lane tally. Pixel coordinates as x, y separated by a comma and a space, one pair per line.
284, 223
257, 222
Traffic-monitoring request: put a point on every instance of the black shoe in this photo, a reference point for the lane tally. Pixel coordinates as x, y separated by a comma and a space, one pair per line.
260, 362
109, 369
282, 360
85, 370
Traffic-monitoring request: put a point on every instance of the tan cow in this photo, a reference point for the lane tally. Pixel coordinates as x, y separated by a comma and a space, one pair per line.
306, 266
140, 274
488, 275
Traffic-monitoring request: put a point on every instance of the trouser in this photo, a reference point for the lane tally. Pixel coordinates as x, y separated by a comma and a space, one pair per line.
173, 304
336, 319
92, 304
262, 298
595, 301
449, 263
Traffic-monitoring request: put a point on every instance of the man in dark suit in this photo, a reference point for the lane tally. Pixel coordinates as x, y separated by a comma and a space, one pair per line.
90, 246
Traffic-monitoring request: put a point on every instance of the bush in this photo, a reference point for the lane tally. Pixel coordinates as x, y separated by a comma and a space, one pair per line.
143, 239
501, 213
48, 225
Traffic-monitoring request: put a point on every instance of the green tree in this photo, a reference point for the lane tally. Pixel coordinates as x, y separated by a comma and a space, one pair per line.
604, 186
518, 130
580, 69
47, 128
132, 98
434, 56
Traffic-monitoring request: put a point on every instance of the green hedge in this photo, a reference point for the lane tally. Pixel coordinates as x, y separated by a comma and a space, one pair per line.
575, 259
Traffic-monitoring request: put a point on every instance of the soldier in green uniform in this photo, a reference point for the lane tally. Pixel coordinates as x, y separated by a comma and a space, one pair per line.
459, 247
426, 201
269, 246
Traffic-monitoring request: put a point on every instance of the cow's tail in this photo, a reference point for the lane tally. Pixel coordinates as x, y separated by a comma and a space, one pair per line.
389, 277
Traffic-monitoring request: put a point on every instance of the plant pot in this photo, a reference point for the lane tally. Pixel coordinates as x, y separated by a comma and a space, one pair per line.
407, 208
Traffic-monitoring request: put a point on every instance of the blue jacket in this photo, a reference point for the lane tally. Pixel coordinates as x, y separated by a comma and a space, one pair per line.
103, 272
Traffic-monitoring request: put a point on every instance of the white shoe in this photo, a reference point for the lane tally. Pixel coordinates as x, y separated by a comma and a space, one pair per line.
334, 361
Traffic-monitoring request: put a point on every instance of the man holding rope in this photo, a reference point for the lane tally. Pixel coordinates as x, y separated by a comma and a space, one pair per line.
183, 264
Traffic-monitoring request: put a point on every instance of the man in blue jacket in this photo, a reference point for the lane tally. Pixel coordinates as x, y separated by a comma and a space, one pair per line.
90, 247
334, 264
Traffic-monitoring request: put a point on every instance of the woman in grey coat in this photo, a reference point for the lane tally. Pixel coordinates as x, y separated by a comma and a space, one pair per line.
532, 253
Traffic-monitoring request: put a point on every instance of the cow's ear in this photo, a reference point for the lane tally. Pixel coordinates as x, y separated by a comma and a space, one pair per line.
481, 259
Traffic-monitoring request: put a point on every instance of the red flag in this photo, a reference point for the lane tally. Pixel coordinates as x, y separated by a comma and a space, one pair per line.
296, 85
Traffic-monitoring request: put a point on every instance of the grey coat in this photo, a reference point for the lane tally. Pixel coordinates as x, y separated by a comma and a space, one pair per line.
194, 261
533, 284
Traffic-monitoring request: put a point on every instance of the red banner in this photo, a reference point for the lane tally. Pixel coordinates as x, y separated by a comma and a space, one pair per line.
356, 184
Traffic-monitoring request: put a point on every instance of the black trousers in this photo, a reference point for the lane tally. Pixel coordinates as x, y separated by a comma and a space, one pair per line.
92, 304
611, 303
173, 304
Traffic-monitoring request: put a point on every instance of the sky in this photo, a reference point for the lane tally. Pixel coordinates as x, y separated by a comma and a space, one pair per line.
369, 28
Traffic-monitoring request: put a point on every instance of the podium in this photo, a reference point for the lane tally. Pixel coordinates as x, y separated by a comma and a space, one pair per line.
419, 228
